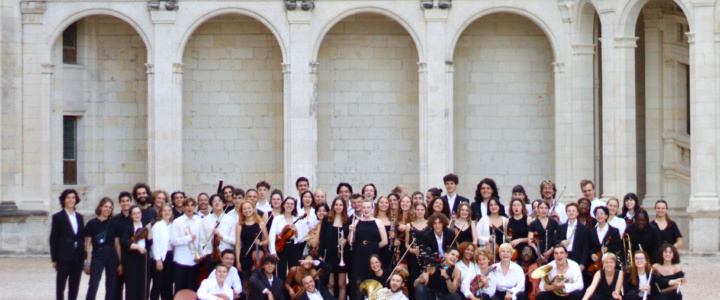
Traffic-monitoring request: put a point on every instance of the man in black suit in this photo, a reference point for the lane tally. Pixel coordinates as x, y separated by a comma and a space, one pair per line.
574, 236
439, 238
67, 247
263, 282
452, 198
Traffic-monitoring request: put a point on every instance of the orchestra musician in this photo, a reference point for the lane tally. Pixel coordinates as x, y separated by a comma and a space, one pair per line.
135, 247
509, 276
642, 280
603, 238
517, 225
377, 272
483, 289
486, 190
670, 272
631, 205
574, 236
669, 230
162, 255
440, 281
246, 236
465, 227
264, 285
320, 197
606, 283
569, 274
290, 256
439, 238
584, 213
613, 204
383, 214
397, 284
232, 277
588, 190
369, 237
452, 199
369, 192
432, 194
314, 290
518, 192
418, 196
643, 235
544, 227
306, 266
212, 287
417, 226
344, 190
556, 209
186, 246
263, 203
440, 206
177, 201
491, 227
333, 231
67, 251
120, 221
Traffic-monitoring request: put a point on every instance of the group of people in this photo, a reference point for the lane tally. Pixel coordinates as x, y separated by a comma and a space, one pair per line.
260, 244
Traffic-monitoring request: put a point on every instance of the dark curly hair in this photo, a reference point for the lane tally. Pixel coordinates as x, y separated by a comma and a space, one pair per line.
65, 194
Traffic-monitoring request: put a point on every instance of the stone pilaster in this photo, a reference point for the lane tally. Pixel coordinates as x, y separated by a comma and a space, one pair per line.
37, 79
436, 107
581, 110
164, 105
704, 205
300, 106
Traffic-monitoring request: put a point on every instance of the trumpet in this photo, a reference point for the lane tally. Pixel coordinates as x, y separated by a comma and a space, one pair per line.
191, 245
340, 248
627, 247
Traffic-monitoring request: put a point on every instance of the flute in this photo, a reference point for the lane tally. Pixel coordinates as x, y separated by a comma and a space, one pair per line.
352, 232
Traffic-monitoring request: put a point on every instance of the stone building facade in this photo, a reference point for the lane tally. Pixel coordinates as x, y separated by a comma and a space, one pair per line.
98, 95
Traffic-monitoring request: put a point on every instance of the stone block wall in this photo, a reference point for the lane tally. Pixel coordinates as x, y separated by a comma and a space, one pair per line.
107, 89
368, 105
232, 105
503, 106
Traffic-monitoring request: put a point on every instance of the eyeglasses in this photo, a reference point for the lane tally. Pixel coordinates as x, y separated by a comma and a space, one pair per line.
600, 213
639, 258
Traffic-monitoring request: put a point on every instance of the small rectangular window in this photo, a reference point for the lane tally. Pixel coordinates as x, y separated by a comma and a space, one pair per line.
70, 150
69, 42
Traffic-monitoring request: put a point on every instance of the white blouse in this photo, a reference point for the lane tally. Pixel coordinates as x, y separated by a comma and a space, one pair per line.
513, 281
483, 230
468, 274
161, 240
278, 224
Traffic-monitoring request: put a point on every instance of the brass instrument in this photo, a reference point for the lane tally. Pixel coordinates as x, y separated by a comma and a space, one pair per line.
627, 247
340, 248
544, 271
191, 245
373, 290
351, 235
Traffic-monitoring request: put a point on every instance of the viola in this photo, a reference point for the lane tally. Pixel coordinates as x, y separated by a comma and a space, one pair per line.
217, 256
285, 235
140, 234
596, 266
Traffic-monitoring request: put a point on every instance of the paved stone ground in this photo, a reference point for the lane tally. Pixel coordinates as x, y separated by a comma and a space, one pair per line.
34, 278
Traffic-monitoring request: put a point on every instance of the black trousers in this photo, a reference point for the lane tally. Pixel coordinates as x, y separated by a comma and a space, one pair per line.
163, 280
422, 292
104, 258
576, 295
501, 296
70, 272
288, 258
136, 274
185, 277
633, 295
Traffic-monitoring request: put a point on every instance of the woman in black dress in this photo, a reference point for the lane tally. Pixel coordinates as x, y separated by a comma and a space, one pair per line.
518, 224
464, 225
369, 237
100, 234
246, 232
135, 257
335, 228
669, 231
584, 216
545, 228
670, 272
642, 280
383, 214
607, 282
414, 241
631, 205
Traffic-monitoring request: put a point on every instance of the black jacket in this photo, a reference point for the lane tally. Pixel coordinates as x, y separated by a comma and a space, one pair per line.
581, 242
65, 244
477, 214
458, 199
612, 241
259, 282
628, 286
431, 242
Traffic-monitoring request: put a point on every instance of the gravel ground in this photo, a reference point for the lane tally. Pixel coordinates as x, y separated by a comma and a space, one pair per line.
34, 278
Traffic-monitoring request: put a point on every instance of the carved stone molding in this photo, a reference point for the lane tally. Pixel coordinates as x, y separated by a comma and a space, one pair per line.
32, 11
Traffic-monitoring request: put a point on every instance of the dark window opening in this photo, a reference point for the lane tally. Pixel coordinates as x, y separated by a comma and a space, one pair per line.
70, 150
69, 42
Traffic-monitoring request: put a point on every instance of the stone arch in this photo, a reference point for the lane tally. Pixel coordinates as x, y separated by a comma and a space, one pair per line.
369, 9
212, 13
506, 9
60, 27
629, 15
586, 11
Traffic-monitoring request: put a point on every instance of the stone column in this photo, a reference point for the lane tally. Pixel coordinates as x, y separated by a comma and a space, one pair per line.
654, 74
164, 106
580, 106
300, 106
704, 205
436, 108
618, 110
36, 93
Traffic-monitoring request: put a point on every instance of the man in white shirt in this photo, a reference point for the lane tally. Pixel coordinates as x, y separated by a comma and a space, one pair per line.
211, 229
557, 209
453, 199
263, 203
396, 284
588, 190
572, 282
233, 278
212, 287
186, 257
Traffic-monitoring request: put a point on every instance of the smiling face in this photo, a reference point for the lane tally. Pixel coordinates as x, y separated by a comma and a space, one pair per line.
289, 206
203, 202
640, 261
383, 204
247, 209
572, 212
450, 186
375, 264
464, 212
179, 197
405, 203
660, 210
584, 206
483, 261
393, 202
494, 207
344, 193
302, 186
548, 192
136, 215
438, 226
437, 205
469, 251
612, 206
166, 212
417, 197
321, 212
668, 254
276, 200
106, 209
308, 284
600, 216
307, 200
338, 207
420, 212
125, 203
227, 193
252, 196
588, 191
367, 208
486, 191
70, 201
609, 264
452, 256
160, 200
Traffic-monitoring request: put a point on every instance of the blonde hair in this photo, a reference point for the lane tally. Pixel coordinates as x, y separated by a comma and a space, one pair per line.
610, 256
506, 246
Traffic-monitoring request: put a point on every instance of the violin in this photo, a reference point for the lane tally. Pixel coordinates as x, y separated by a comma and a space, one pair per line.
257, 256
140, 234
299, 289
596, 266
285, 235
477, 283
